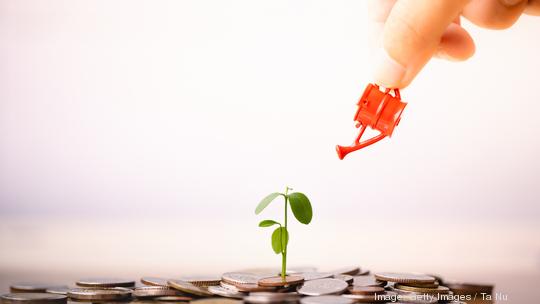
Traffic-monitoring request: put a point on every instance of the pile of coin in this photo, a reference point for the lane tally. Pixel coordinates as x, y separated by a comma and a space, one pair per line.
301, 285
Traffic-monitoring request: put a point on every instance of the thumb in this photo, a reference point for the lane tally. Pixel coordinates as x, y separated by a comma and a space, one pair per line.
411, 36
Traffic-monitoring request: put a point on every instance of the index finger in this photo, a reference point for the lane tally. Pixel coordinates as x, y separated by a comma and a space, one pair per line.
411, 36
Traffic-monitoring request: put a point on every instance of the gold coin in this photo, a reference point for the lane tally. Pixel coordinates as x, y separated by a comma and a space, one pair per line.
217, 301
105, 282
365, 290
439, 289
280, 282
423, 285
189, 288
404, 277
461, 288
386, 296
174, 299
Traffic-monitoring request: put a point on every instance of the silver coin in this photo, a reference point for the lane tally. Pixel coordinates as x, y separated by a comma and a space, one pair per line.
246, 287
326, 300
368, 281
345, 277
297, 270
154, 291
100, 294
201, 280
310, 276
33, 298
229, 286
225, 292
189, 288
323, 287
105, 282
154, 281
363, 272
263, 272
33, 287
240, 278
351, 270
61, 290
271, 297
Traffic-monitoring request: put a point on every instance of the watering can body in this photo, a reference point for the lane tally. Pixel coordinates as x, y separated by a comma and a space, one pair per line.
379, 110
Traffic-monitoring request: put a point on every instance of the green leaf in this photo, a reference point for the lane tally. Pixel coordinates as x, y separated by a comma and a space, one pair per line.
301, 207
268, 223
280, 239
265, 201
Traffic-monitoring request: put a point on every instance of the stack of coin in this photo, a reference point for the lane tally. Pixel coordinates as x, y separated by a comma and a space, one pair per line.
461, 288
371, 297
240, 283
105, 282
99, 294
155, 281
323, 287
303, 285
155, 291
33, 287
202, 281
422, 286
367, 281
33, 298
187, 287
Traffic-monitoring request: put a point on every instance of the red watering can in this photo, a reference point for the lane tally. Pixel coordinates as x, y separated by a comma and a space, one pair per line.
379, 110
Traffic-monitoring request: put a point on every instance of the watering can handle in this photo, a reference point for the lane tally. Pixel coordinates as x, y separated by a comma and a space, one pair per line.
357, 145
367, 142
396, 91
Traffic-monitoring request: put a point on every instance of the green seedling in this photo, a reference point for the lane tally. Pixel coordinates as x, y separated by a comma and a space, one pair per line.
301, 208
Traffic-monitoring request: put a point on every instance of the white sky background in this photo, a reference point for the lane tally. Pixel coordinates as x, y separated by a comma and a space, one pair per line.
189, 112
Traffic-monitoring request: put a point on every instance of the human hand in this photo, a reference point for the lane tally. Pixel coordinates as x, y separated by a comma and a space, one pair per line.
411, 32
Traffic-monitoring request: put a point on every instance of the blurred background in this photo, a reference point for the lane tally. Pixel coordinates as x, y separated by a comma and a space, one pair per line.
137, 137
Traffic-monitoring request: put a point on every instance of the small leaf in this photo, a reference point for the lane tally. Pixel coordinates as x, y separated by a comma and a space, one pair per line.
265, 201
268, 223
301, 207
280, 239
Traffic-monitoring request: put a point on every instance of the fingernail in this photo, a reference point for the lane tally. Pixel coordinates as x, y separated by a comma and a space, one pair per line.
387, 71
